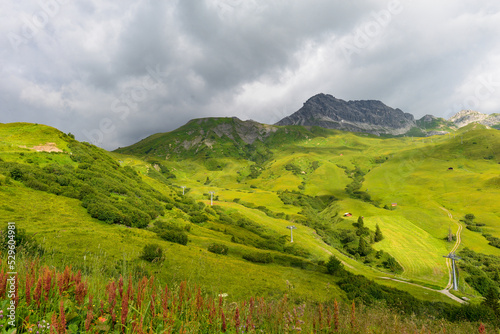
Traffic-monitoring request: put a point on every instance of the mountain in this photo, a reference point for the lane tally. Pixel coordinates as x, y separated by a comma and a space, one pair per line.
466, 117
356, 116
216, 137
430, 125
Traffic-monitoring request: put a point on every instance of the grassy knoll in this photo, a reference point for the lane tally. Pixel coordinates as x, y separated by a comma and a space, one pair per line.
21, 136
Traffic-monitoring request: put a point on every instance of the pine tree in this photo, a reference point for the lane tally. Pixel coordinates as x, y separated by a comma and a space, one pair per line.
362, 248
378, 234
334, 265
360, 224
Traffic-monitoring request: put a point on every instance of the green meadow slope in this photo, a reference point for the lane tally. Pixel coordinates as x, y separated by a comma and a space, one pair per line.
423, 177
288, 176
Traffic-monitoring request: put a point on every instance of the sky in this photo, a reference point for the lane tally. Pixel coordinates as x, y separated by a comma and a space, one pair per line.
115, 72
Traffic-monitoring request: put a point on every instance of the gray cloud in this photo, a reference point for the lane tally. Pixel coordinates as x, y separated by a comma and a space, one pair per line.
113, 73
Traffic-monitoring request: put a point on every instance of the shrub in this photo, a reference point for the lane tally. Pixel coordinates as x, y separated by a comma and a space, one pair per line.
392, 264
174, 236
22, 240
292, 261
474, 228
199, 218
16, 174
35, 184
296, 250
152, 253
218, 249
378, 234
258, 257
104, 212
470, 216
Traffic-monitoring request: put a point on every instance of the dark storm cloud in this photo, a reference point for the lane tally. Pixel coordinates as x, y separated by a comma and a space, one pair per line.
113, 73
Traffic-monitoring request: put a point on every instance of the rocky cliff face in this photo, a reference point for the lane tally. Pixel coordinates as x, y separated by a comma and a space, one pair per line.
361, 116
465, 117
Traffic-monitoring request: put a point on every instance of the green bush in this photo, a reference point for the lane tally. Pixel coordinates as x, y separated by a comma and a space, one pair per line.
292, 261
258, 257
199, 218
152, 253
16, 173
105, 212
392, 264
174, 236
474, 228
296, 250
97, 179
23, 241
218, 249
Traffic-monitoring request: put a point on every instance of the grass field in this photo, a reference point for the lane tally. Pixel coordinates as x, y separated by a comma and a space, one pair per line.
412, 172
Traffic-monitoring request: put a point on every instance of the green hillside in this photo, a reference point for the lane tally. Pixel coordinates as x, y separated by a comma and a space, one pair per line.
412, 173
221, 137
96, 210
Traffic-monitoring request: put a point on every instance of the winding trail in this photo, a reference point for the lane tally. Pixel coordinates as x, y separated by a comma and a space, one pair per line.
446, 290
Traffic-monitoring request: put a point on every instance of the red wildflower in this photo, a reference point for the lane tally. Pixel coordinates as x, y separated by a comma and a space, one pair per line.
90, 315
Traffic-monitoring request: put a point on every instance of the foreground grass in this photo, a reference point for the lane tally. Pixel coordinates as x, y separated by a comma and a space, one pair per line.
56, 301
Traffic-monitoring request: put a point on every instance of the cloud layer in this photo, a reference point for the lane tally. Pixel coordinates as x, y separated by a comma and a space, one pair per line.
113, 73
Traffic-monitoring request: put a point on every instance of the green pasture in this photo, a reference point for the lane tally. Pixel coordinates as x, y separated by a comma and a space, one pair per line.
412, 172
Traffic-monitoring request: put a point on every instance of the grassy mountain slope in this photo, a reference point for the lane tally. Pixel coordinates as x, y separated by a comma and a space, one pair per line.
288, 175
71, 236
220, 137
410, 172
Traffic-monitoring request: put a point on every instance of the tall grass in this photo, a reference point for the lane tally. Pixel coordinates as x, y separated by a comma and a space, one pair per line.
64, 301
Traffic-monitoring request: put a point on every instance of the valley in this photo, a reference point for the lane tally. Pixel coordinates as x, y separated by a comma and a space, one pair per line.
414, 189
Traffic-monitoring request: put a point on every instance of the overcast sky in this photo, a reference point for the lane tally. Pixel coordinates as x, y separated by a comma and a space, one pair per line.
114, 72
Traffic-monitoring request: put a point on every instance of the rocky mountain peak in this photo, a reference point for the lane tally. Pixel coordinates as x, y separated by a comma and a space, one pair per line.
464, 117
428, 118
370, 116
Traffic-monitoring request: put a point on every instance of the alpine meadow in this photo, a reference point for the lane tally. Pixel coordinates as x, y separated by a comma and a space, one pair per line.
190, 231
249, 167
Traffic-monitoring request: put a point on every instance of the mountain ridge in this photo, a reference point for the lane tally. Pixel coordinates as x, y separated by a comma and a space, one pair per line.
320, 114
370, 116
375, 117
215, 137
465, 117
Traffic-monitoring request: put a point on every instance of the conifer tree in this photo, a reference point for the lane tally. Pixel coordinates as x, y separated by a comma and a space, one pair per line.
334, 265
363, 247
378, 234
360, 224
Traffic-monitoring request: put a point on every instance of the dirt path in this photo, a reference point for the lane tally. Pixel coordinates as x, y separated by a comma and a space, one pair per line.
455, 247
446, 290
